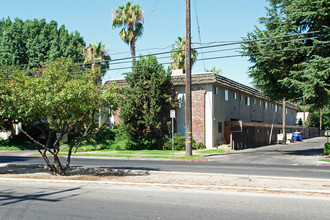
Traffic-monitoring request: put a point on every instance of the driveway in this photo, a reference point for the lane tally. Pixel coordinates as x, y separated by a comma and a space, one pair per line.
306, 152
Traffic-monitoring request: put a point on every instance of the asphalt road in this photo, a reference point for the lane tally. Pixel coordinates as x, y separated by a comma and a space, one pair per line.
294, 160
73, 201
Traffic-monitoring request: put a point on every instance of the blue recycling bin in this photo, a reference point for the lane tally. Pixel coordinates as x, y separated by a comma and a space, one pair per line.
295, 136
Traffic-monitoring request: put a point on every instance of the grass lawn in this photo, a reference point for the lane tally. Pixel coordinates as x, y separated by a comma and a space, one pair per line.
166, 154
212, 151
325, 160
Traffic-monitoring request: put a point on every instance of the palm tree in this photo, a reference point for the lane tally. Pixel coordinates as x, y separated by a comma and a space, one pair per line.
95, 54
178, 54
130, 17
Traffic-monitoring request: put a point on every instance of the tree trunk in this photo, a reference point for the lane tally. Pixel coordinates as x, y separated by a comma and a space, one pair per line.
132, 45
304, 112
284, 119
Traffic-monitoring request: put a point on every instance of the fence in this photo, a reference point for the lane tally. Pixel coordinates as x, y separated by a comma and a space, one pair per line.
243, 135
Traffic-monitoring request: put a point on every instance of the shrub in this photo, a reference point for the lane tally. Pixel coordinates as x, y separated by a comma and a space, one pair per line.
327, 148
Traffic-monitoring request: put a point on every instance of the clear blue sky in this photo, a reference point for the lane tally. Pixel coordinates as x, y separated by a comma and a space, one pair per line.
164, 22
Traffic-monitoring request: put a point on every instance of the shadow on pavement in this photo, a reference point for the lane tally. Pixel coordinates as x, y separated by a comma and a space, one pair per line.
8, 197
8, 159
308, 152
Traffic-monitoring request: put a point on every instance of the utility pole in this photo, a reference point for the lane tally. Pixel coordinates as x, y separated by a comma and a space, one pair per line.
284, 119
188, 83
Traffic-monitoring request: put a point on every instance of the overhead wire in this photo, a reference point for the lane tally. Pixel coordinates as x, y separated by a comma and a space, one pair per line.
112, 61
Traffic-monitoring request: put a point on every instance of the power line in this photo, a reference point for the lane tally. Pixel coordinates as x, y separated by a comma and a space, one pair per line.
196, 48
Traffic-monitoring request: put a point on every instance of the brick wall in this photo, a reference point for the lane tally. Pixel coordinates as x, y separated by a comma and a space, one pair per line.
198, 115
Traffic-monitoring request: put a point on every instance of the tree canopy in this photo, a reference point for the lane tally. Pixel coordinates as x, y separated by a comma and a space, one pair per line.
35, 41
59, 99
145, 111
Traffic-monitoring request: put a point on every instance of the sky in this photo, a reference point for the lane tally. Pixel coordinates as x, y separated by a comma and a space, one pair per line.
164, 20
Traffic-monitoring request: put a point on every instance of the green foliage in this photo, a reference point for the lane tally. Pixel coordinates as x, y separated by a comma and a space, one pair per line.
130, 17
180, 143
35, 41
315, 117
299, 73
95, 55
59, 99
327, 148
17, 143
270, 67
146, 103
178, 54
214, 70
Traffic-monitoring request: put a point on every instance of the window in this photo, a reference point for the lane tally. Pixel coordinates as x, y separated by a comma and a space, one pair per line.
254, 101
219, 127
247, 101
265, 105
275, 108
234, 95
216, 90
225, 94
242, 97
286, 111
260, 102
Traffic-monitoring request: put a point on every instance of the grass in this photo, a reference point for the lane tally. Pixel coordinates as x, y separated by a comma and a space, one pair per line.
325, 160
212, 151
134, 156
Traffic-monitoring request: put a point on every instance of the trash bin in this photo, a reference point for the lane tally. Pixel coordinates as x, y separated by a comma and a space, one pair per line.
295, 136
300, 136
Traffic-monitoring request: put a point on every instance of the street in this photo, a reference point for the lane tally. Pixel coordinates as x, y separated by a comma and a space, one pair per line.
89, 201
299, 159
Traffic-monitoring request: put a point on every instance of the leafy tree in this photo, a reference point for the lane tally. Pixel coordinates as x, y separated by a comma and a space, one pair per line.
146, 103
272, 60
57, 100
312, 77
178, 54
130, 17
35, 41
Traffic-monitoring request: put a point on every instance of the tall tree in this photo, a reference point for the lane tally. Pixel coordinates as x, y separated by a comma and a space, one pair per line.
146, 104
130, 17
96, 56
58, 100
312, 77
35, 41
178, 54
273, 60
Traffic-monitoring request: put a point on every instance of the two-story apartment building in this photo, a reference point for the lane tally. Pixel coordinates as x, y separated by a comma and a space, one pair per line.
216, 100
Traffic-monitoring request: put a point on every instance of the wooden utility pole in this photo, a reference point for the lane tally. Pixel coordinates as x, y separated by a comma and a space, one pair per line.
188, 83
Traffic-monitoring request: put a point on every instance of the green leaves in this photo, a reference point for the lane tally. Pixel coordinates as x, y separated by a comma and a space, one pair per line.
178, 54
146, 103
35, 41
